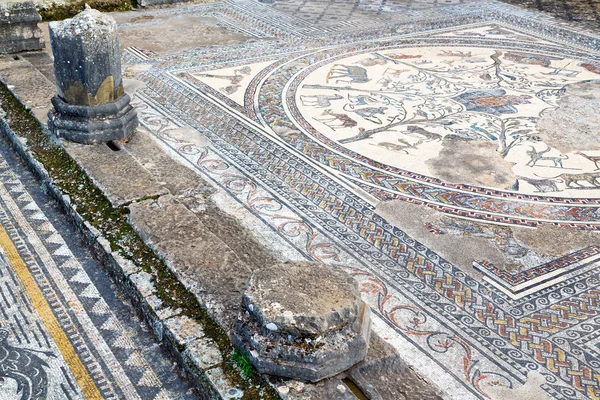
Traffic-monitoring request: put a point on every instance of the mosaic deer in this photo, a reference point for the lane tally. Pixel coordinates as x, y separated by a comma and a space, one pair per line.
594, 159
336, 121
319, 100
401, 146
347, 73
535, 156
368, 113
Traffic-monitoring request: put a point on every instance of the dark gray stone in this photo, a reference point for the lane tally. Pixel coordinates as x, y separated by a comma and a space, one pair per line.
91, 105
384, 376
18, 27
304, 321
92, 124
87, 61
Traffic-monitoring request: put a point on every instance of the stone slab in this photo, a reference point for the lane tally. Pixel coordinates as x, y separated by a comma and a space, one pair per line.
30, 85
385, 375
117, 173
166, 34
176, 177
325, 390
202, 261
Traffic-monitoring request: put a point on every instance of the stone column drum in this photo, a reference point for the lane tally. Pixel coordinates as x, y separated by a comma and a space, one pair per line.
91, 105
18, 27
304, 321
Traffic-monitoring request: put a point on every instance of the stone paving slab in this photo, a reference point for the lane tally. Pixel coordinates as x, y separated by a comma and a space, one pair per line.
205, 264
132, 182
34, 88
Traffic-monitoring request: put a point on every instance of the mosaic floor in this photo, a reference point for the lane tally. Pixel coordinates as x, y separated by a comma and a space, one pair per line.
445, 152
64, 333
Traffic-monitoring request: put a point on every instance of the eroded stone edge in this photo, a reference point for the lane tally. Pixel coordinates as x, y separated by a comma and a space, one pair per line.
139, 287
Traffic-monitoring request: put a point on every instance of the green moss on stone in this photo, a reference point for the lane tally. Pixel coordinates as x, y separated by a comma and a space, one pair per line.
58, 12
94, 207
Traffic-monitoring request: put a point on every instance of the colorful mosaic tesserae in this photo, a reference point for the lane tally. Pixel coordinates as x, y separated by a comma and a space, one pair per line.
435, 150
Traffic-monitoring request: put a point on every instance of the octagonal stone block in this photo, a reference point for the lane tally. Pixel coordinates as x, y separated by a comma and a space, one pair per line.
304, 321
91, 105
18, 27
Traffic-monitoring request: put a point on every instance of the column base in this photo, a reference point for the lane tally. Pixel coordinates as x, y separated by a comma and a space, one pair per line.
92, 124
18, 27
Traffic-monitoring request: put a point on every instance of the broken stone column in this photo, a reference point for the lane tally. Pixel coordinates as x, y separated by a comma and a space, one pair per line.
18, 27
304, 321
91, 105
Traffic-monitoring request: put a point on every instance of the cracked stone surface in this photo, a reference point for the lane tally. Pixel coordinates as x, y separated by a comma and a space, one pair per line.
302, 299
304, 321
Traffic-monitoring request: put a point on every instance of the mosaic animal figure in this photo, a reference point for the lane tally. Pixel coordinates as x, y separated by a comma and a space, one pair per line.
595, 68
450, 53
503, 101
429, 136
368, 113
592, 178
401, 56
401, 147
564, 72
336, 120
543, 185
347, 73
361, 100
390, 76
25, 367
532, 59
239, 75
536, 156
369, 62
319, 100
594, 159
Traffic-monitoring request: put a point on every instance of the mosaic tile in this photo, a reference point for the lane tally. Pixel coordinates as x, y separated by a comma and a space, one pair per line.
60, 337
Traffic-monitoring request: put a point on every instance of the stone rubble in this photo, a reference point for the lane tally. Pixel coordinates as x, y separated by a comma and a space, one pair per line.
303, 320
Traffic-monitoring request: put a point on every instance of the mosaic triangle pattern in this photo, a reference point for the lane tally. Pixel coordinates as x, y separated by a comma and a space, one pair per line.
34, 365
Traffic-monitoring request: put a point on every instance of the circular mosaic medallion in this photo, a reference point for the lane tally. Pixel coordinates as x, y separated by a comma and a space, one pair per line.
463, 115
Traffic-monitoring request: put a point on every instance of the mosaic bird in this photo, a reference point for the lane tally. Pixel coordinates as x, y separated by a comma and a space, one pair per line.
25, 367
